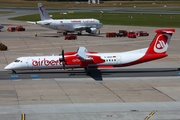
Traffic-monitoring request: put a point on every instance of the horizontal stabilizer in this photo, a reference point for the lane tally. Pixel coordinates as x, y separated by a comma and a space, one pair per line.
31, 22
165, 31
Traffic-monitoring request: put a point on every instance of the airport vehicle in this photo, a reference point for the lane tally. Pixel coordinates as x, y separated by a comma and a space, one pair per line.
3, 47
142, 33
67, 25
70, 37
131, 34
111, 34
11, 29
87, 59
20, 28
122, 33
1, 27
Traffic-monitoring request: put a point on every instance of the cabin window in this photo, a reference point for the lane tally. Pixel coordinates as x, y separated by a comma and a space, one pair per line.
16, 60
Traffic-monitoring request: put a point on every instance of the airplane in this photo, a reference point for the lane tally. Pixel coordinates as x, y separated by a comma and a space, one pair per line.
1, 27
67, 25
82, 58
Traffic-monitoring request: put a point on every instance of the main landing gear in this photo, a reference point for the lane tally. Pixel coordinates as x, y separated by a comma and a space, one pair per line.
13, 72
79, 33
88, 73
65, 33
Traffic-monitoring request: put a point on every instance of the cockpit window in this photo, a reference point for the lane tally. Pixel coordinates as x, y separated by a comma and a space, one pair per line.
17, 61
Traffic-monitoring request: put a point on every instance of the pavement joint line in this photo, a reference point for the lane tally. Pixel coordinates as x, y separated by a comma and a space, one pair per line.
163, 93
158, 90
64, 92
112, 92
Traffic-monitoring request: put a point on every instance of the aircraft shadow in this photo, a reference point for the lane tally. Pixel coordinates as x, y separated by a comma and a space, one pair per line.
98, 35
61, 35
96, 74
56, 36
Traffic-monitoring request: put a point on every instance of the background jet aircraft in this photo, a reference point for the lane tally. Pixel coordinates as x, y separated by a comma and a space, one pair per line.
86, 59
67, 25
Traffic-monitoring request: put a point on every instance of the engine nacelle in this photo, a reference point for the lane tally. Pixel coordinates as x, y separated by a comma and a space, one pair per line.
91, 30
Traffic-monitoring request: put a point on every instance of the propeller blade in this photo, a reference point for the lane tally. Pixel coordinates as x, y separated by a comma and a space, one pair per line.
63, 60
63, 56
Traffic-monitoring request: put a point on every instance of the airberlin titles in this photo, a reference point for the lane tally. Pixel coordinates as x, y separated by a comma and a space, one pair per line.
53, 62
45, 62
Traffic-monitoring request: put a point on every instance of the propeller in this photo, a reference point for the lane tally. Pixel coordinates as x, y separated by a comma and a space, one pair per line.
63, 60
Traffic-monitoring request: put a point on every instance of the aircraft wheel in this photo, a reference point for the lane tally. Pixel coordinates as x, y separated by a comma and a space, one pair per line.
99, 32
13, 72
79, 33
87, 71
64, 33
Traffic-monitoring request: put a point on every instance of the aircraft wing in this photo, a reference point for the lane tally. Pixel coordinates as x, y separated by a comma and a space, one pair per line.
82, 53
80, 28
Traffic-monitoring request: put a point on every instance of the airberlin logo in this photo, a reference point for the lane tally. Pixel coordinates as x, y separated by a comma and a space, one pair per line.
161, 44
44, 62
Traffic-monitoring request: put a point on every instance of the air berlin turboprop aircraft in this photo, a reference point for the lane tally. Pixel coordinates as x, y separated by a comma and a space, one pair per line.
67, 25
86, 59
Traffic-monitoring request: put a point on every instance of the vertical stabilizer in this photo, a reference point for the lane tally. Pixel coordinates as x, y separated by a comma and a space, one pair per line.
43, 13
161, 41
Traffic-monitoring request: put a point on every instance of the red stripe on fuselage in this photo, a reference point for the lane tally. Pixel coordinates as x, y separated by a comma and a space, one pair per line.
110, 66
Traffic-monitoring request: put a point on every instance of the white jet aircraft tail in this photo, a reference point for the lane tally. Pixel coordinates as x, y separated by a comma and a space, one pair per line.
43, 13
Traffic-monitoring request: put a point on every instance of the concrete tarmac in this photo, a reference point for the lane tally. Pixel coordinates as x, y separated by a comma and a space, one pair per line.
126, 93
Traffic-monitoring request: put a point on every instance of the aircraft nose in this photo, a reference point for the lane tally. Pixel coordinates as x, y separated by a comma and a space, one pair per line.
8, 67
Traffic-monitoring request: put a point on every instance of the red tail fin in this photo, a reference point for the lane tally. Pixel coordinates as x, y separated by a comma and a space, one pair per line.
160, 43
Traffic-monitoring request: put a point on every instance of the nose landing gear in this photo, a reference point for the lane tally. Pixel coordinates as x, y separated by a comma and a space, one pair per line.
13, 72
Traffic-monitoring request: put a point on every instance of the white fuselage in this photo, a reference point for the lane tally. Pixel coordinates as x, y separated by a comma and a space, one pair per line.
53, 62
71, 25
